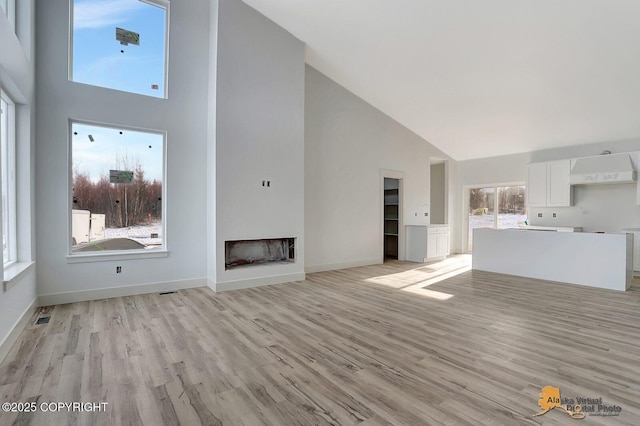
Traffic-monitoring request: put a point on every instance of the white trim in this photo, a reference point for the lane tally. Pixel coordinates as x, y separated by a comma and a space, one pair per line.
14, 273
16, 330
107, 293
255, 282
11, 165
116, 255
341, 265
70, 43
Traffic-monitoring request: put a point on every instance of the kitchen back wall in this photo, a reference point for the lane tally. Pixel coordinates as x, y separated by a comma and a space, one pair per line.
608, 208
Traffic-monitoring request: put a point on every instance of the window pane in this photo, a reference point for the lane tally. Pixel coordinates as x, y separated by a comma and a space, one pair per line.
120, 44
116, 189
7, 174
481, 210
511, 209
4, 154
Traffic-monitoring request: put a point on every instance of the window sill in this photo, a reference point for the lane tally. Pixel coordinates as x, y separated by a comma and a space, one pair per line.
14, 272
104, 257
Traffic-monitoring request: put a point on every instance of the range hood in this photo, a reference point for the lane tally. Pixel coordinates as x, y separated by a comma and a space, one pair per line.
600, 169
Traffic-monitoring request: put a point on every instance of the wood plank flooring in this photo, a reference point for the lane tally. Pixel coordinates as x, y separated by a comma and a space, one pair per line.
367, 346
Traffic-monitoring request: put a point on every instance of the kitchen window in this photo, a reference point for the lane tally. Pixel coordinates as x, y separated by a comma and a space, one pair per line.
499, 206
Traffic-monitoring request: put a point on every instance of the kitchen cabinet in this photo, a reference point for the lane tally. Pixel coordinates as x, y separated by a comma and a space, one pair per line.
437, 242
427, 243
548, 184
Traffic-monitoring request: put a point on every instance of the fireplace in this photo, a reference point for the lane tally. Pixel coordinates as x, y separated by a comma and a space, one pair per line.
258, 252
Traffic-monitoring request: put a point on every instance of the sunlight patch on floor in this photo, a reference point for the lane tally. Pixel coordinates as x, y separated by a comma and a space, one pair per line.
420, 289
414, 280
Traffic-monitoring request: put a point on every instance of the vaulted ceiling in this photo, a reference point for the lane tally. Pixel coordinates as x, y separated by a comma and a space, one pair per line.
480, 78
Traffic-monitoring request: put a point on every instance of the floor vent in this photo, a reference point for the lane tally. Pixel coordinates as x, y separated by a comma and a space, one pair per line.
166, 292
43, 320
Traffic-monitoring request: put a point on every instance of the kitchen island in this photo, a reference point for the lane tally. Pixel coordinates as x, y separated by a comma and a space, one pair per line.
590, 259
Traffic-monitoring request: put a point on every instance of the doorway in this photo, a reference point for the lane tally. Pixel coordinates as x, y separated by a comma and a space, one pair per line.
391, 217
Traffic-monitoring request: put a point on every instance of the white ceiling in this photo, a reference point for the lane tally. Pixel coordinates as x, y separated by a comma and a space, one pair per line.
480, 78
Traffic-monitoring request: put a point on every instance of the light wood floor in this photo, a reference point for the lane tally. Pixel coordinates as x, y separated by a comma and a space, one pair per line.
364, 346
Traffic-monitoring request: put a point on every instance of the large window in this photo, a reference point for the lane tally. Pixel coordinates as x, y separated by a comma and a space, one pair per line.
8, 177
117, 189
497, 206
120, 44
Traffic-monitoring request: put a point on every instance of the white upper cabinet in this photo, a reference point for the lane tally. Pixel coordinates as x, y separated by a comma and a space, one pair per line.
558, 187
537, 185
548, 184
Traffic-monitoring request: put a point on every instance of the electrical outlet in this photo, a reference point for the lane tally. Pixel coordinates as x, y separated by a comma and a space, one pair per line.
539, 214
554, 215
118, 269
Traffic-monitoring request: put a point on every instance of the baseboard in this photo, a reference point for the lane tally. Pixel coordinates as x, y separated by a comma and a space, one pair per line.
12, 337
107, 293
341, 265
255, 282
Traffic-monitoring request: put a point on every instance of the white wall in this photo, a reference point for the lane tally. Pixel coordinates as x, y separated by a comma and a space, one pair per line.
259, 136
596, 208
347, 144
17, 77
183, 116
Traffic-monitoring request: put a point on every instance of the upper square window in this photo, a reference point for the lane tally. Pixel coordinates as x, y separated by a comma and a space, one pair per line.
120, 44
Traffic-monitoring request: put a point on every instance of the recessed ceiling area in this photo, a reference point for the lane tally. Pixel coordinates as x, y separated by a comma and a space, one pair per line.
481, 78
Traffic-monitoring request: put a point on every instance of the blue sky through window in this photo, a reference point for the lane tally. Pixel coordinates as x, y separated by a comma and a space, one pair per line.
115, 149
100, 60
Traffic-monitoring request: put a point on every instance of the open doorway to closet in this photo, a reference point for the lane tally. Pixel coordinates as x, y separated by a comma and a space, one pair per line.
391, 218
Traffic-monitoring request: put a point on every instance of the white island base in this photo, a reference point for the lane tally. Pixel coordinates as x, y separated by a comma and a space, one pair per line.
594, 260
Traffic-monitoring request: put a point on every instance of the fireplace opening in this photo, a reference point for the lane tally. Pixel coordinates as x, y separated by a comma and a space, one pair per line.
258, 252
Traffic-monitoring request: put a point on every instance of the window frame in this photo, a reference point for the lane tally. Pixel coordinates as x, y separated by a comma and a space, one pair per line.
80, 257
165, 4
12, 245
465, 206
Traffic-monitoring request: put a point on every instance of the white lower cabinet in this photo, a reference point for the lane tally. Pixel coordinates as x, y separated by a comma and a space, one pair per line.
437, 242
427, 243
